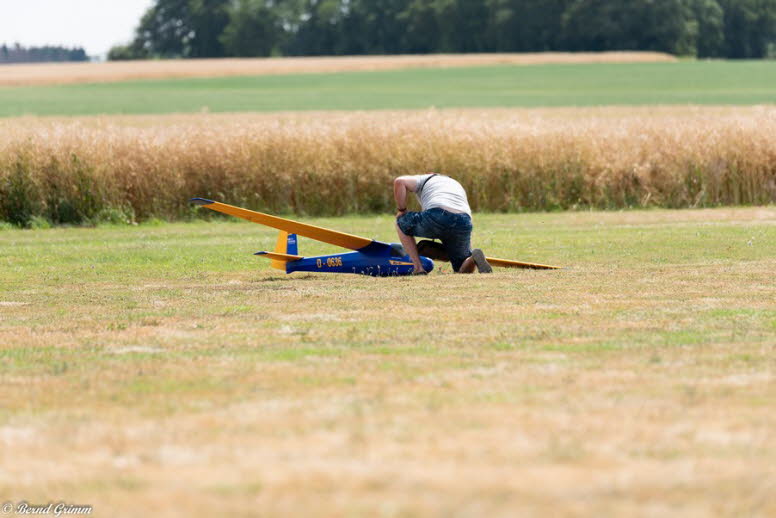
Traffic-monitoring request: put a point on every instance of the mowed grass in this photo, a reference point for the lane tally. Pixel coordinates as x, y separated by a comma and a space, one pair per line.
29, 74
688, 82
166, 368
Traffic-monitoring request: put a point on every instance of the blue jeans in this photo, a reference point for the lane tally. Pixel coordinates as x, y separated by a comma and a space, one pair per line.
454, 230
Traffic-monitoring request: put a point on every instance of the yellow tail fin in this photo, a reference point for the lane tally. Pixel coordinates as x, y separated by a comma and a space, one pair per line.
280, 248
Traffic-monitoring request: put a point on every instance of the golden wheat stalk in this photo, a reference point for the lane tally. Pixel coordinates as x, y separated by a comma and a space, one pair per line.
71, 170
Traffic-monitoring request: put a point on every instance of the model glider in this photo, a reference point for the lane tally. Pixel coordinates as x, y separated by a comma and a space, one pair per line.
369, 257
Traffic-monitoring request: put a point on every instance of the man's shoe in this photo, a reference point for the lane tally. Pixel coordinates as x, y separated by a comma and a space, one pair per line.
483, 266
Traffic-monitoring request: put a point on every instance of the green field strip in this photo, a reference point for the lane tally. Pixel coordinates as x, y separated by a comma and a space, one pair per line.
687, 82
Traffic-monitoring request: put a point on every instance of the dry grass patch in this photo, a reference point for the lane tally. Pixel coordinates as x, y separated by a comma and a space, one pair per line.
72, 73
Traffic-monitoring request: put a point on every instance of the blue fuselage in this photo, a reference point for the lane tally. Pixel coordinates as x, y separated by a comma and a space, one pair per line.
374, 264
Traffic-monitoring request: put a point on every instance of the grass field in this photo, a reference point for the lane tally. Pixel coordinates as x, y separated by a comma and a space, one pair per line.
166, 369
738, 83
72, 73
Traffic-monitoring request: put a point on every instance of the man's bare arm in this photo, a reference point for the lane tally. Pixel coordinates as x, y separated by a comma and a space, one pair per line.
401, 185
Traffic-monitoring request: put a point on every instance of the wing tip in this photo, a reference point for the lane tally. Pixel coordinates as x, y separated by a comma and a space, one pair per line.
510, 263
201, 201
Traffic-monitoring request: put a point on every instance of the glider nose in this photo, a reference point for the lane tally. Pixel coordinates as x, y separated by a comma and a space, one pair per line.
427, 263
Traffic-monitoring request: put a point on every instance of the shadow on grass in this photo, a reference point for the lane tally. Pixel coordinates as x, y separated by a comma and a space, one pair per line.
289, 278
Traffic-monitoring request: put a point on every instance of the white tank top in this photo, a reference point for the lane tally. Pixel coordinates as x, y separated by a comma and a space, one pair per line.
439, 191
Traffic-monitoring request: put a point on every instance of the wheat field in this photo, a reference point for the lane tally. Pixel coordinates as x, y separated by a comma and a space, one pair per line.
76, 170
72, 73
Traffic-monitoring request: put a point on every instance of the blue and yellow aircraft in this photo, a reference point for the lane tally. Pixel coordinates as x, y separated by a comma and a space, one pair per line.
369, 257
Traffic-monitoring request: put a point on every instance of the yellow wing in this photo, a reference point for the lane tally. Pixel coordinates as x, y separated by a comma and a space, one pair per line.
293, 227
508, 263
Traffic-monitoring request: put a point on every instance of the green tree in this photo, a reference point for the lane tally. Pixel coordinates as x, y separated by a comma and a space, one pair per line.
212, 28
208, 20
254, 29
464, 25
382, 29
321, 32
750, 27
658, 25
422, 32
124, 53
526, 25
179, 28
711, 35
164, 30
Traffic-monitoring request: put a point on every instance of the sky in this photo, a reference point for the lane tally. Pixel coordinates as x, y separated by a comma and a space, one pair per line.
95, 25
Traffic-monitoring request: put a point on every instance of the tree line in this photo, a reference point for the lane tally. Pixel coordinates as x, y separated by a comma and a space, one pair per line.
18, 54
250, 28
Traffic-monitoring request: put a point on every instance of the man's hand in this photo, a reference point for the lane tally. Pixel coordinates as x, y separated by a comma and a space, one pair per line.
401, 213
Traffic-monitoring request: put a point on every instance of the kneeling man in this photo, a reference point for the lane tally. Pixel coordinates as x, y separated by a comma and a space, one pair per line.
445, 215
